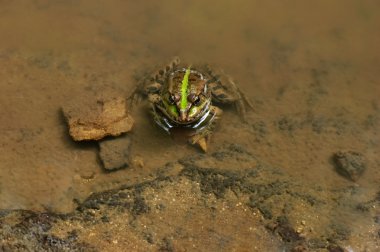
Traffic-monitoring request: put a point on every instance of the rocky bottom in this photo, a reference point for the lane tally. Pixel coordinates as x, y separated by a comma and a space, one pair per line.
224, 201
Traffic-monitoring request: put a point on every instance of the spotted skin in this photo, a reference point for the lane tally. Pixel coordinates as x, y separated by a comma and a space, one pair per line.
184, 97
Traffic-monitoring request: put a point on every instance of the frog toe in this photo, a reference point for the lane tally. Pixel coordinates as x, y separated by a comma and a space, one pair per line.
202, 143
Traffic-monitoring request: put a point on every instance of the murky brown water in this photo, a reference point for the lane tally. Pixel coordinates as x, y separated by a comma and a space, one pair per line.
311, 68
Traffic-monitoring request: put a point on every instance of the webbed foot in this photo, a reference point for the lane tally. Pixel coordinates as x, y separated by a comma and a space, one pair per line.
202, 143
203, 135
225, 91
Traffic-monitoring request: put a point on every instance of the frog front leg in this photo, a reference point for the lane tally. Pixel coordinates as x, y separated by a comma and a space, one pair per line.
143, 90
202, 135
152, 84
162, 121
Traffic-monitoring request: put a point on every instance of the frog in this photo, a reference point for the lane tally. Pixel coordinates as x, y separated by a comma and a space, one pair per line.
187, 96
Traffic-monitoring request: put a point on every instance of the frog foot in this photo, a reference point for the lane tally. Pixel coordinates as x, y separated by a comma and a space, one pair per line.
202, 137
225, 91
200, 141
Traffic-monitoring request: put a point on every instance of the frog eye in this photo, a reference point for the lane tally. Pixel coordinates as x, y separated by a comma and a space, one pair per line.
171, 99
194, 99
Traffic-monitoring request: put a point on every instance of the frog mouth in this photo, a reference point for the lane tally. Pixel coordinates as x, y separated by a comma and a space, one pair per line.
195, 122
201, 120
198, 124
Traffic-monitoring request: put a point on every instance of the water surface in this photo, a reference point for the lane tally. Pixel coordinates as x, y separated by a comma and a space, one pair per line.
310, 68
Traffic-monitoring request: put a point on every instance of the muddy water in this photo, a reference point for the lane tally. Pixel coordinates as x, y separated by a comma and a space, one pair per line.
311, 70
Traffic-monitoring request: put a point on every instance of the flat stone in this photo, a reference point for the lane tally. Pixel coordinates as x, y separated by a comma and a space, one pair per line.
114, 152
93, 119
350, 164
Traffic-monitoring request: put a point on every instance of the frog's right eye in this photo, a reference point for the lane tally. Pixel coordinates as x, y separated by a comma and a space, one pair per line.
171, 99
197, 101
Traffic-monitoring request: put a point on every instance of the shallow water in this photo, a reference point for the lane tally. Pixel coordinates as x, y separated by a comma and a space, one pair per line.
310, 68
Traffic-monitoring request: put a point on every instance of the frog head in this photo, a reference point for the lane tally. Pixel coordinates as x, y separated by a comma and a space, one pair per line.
186, 97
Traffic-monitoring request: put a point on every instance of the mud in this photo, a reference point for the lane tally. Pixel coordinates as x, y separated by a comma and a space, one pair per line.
270, 184
250, 207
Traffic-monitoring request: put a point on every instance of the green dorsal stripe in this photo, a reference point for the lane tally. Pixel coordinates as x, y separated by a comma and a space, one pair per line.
185, 83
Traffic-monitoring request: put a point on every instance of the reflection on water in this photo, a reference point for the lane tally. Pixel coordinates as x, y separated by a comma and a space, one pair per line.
309, 67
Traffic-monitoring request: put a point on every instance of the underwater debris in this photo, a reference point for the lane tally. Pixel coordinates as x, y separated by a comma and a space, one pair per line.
95, 119
114, 152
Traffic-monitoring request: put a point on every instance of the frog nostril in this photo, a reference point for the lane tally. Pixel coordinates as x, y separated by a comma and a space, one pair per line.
191, 97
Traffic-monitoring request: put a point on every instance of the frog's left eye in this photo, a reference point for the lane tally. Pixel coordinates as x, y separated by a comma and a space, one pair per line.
194, 99
197, 101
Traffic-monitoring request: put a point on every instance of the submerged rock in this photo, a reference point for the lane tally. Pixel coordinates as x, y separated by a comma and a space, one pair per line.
349, 164
114, 152
94, 119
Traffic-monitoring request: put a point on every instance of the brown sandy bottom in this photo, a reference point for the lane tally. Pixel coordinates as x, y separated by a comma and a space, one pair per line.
270, 184
205, 203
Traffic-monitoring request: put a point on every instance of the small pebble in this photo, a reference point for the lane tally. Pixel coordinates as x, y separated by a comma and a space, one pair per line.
138, 162
350, 164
